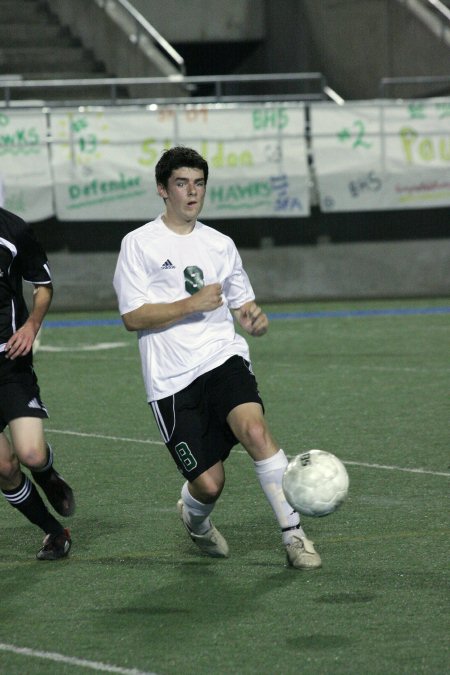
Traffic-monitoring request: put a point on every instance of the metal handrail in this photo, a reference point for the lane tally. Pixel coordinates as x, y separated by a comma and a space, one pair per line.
433, 14
145, 27
441, 8
422, 79
322, 90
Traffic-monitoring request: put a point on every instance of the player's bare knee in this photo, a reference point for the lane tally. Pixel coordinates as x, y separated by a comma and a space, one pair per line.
33, 459
211, 495
209, 491
254, 434
9, 473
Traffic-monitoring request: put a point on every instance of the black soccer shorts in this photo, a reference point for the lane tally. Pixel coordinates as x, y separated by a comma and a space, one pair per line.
19, 391
193, 422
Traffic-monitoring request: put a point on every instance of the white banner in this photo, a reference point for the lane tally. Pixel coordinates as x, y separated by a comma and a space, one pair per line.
104, 161
24, 164
365, 156
385, 155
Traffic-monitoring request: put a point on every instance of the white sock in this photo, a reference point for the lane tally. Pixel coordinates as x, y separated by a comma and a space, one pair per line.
270, 473
195, 513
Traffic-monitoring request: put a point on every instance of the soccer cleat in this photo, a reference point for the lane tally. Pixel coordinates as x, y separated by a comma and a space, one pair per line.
55, 546
301, 554
211, 543
58, 492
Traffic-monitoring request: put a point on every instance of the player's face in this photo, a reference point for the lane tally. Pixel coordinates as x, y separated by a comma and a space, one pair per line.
184, 195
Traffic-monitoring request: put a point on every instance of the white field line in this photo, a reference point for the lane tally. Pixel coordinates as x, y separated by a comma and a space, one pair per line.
397, 468
73, 661
102, 436
367, 465
99, 346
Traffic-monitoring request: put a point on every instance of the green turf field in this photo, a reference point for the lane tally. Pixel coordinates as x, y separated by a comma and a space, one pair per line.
136, 597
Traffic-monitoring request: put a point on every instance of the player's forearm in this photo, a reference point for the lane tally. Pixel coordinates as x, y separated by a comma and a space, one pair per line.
42, 298
157, 315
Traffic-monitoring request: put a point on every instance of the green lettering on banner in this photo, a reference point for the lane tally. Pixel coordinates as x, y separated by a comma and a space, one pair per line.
79, 124
149, 151
151, 154
443, 109
89, 138
408, 136
264, 118
251, 195
4, 120
88, 144
444, 149
222, 158
97, 192
20, 142
425, 149
357, 137
417, 111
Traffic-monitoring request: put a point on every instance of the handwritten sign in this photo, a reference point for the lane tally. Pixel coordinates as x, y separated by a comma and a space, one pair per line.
24, 164
98, 164
384, 155
104, 161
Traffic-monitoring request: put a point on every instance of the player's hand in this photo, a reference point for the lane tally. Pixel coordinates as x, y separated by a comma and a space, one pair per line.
252, 319
207, 298
21, 342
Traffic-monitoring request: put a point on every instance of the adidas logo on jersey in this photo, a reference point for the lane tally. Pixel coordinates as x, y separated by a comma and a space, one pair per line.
167, 265
34, 403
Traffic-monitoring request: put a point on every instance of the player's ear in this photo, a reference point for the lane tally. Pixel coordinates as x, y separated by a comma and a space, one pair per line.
162, 191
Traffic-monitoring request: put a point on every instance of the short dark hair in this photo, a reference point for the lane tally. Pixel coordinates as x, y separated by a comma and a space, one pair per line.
175, 158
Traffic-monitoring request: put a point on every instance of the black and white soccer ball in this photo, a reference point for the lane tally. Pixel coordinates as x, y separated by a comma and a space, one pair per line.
315, 483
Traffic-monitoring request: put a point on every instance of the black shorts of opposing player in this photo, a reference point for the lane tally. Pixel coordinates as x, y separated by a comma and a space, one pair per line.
19, 391
193, 422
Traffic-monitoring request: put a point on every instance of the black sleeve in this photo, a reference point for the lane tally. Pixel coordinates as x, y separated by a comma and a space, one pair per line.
33, 260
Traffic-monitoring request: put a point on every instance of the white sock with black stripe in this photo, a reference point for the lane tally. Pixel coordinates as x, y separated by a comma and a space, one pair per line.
270, 474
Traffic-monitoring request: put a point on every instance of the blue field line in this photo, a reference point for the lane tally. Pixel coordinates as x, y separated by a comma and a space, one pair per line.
79, 323
274, 316
349, 313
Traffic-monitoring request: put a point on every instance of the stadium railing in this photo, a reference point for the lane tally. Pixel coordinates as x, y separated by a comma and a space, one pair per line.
203, 89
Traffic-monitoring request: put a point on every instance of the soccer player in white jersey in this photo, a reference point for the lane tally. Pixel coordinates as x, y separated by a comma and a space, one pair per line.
181, 286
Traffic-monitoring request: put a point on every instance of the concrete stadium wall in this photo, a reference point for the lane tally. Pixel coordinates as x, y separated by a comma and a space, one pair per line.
205, 20
83, 281
354, 43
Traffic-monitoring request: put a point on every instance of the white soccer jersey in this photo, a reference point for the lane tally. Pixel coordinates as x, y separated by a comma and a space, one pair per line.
157, 265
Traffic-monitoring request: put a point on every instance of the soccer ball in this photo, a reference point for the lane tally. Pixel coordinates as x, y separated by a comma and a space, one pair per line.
315, 483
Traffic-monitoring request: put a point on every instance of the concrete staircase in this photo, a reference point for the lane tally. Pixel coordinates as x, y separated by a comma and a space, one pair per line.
34, 45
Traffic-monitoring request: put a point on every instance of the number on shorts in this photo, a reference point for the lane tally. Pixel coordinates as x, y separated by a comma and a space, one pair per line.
185, 456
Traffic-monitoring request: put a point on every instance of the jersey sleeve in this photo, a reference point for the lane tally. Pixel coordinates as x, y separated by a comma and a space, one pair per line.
130, 277
237, 288
34, 266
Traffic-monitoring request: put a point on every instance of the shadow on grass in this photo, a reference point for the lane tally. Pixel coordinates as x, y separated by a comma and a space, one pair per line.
317, 641
346, 598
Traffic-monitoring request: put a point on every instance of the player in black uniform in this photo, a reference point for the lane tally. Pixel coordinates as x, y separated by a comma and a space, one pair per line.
21, 407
